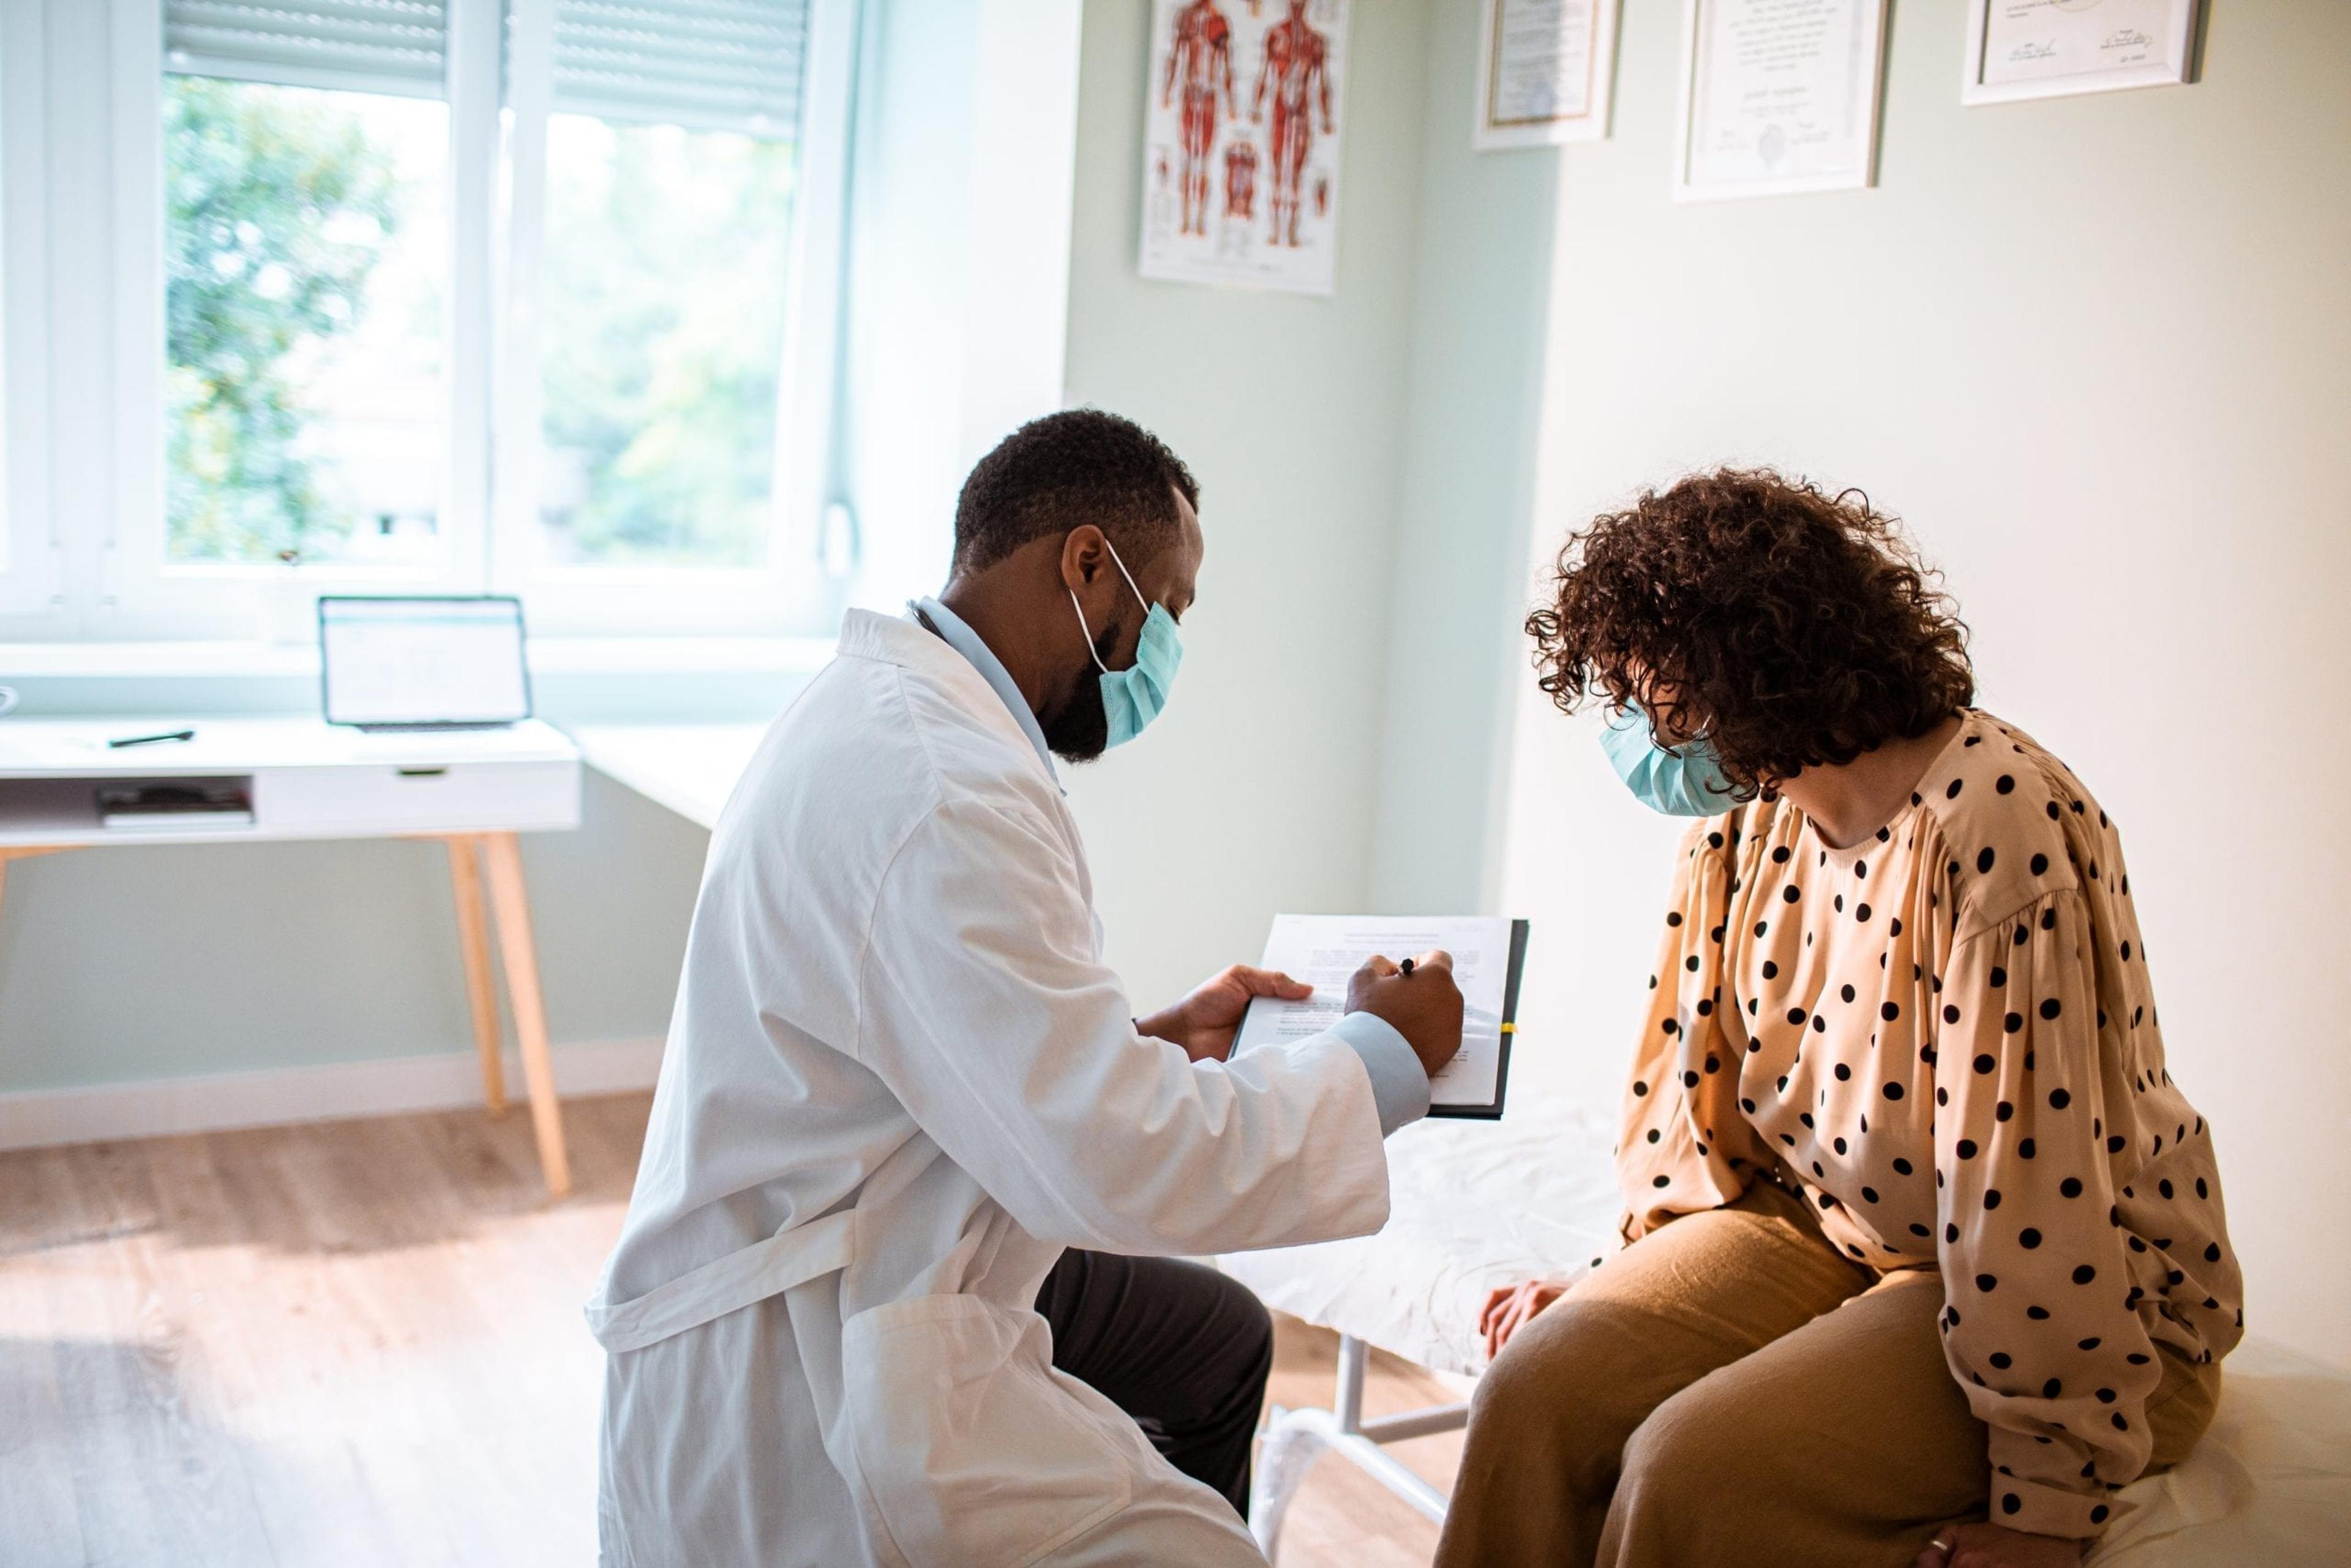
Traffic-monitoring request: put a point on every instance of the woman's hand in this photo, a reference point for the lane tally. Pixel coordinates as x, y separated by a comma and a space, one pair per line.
1994, 1546
1205, 1022
1507, 1311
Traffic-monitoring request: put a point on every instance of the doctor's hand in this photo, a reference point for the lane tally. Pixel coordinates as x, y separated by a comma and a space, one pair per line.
1425, 1006
1205, 1022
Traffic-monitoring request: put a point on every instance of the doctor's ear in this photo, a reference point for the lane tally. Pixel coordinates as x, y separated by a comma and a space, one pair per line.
1085, 556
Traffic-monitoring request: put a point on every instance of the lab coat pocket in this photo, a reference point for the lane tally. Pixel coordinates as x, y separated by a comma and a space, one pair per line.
972, 1453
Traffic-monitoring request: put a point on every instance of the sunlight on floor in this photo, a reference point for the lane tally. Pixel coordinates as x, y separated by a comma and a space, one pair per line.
359, 1343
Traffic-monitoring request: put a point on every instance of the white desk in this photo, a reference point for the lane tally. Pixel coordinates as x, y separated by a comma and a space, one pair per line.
690, 768
474, 789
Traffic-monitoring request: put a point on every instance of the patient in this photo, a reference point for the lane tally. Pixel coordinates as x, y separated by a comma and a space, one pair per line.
1926, 1255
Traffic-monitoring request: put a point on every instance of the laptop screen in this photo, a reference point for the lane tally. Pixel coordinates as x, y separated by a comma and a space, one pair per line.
423, 661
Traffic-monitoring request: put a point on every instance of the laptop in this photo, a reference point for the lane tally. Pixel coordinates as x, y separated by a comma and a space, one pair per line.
423, 662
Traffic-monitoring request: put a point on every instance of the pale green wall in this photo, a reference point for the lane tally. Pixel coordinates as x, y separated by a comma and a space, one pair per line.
128, 965
1480, 303
1256, 791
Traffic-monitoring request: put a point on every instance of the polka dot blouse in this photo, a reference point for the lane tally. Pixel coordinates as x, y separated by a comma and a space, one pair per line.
1945, 1037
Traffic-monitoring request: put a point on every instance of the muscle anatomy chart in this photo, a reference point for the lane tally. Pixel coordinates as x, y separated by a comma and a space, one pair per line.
1240, 153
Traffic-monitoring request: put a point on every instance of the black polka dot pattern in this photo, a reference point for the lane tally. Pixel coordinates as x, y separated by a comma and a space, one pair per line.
1936, 1066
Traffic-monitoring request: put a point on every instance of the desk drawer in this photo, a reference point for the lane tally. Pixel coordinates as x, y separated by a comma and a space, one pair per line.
360, 800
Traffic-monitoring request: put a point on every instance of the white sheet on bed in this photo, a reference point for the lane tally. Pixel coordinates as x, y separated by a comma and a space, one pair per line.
1473, 1205
1481, 1204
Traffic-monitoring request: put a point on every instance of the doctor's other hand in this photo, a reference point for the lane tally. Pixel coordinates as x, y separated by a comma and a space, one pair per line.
1205, 1022
1425, 1006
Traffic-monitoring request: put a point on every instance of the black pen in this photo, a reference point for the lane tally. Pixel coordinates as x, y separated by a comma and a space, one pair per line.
152, 739
1407, 969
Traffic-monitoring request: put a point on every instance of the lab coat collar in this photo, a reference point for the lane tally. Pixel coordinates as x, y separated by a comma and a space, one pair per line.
958, 635
902, 641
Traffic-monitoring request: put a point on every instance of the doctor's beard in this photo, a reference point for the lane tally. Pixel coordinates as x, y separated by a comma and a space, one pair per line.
1080, 731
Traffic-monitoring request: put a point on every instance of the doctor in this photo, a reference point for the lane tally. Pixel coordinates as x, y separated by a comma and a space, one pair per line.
899, 1082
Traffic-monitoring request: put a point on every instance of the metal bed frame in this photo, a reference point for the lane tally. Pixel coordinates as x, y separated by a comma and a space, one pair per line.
1294, 1440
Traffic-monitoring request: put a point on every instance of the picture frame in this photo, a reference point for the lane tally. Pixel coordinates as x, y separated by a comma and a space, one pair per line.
2019, 50
1245, 114
1825, 61
1520, 91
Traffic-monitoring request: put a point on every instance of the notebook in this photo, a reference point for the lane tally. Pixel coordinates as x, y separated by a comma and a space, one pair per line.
1325, 950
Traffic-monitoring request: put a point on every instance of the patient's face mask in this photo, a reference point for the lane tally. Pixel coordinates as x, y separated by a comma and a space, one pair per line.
1683, 782
1133, 696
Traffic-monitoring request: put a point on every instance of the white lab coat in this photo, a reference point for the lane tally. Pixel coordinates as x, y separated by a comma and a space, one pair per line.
899, 1081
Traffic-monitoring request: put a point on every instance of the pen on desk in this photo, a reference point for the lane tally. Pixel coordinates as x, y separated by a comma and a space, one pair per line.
153, 739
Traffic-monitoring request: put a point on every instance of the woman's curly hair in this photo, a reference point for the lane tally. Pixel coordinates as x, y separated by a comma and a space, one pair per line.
1788, 627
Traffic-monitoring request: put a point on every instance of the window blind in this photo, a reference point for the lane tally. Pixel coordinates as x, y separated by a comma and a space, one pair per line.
732, 65
369, 45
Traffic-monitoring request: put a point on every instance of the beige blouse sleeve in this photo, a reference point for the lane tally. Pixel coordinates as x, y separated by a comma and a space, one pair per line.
1686, 1144
2041, 1324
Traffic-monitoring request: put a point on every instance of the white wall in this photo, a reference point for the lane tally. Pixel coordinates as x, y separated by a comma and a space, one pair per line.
2097, 352
1255, 792
958, 263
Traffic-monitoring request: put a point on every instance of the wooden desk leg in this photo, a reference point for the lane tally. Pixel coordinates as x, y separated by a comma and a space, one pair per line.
512, 904
481, 992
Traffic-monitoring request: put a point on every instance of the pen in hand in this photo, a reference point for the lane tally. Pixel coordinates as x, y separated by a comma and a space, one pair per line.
1404, 968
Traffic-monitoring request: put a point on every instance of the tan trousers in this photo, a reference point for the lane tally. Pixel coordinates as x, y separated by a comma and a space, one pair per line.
1731, 1390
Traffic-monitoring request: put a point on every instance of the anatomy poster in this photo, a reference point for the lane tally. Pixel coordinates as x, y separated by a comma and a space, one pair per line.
1240, 150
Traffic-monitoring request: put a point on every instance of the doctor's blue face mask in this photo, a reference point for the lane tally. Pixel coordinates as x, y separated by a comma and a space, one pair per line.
1133, 696
1683, 782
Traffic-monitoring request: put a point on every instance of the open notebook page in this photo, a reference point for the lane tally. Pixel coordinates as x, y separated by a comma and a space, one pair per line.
1325, 950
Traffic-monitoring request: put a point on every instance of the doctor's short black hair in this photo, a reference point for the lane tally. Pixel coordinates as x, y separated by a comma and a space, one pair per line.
1081, 465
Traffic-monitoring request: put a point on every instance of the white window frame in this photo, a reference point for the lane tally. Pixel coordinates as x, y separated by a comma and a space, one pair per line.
31, 577
787, 592
491, 370
143, 593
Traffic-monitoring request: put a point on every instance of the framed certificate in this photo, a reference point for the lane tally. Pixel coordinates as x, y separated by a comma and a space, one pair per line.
1778, 96
1544, 68
2049, 48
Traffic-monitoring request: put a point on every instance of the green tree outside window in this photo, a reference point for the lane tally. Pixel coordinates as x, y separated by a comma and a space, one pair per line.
277, 210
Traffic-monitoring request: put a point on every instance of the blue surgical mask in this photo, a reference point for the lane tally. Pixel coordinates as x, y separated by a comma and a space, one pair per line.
1133, 696
1687, 782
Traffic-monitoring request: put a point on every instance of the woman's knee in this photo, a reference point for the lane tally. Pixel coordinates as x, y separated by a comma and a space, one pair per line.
1689, 1441
1561, 1383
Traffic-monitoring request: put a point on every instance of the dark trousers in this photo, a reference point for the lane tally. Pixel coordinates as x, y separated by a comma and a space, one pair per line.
1183, 1349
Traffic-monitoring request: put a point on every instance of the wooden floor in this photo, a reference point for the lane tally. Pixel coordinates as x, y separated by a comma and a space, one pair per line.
360, 1343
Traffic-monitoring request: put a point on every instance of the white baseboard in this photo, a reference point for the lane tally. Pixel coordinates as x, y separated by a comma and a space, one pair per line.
36, 1118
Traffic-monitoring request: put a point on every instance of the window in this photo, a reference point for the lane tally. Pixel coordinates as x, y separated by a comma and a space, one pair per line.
531, 296
664, 351
670, 211
306, 245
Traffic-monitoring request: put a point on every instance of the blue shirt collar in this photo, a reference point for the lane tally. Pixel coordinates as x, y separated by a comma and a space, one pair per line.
960, 636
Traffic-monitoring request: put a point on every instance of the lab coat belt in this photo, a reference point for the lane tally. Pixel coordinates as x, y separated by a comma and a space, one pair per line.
792, 1256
